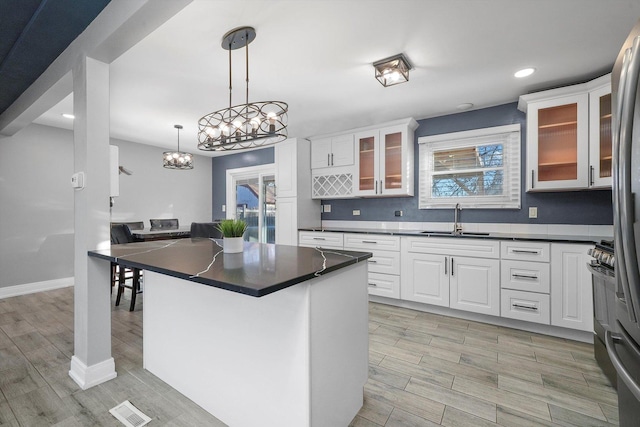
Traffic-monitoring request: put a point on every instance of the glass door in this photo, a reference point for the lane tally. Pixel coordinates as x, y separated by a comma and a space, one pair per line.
366, 162
393, 161
253, 193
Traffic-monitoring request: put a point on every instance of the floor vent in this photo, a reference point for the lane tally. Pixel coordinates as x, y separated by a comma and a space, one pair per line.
129, 415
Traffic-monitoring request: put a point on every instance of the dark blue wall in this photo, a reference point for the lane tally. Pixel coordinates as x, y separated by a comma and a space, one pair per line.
577, 207
232, 161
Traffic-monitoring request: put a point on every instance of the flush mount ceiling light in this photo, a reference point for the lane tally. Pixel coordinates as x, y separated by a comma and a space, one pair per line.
247, 125
393, 70
525, 72
177, 159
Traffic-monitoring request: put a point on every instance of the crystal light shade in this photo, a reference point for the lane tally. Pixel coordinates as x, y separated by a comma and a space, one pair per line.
248, 125
177, 159
393, 70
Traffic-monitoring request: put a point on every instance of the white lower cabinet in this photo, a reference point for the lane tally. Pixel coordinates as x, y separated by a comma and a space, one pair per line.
433, 276
571, 290
384, 265
425, 278
320, 239
475, 285
527, 306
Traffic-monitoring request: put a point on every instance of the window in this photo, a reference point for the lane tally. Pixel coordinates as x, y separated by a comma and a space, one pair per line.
478, 169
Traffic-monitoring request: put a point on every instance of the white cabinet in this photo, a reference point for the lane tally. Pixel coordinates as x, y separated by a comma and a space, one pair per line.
569, 136
425, 278
440, 271
525, 281
294, 207
384, 161
384, 265
571, 289
475, 285
378, 163
321, 239
332, 151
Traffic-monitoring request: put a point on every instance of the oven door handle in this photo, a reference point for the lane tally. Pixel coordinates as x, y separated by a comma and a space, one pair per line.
623, 374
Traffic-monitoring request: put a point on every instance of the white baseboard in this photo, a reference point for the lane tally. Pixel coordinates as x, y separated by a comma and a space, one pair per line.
30, 288
89, 376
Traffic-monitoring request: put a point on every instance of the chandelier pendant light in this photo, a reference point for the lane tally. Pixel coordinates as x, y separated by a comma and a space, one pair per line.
177, 159
247, 125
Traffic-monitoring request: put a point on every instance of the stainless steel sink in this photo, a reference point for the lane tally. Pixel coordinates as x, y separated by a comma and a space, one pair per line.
437, 232
474, 233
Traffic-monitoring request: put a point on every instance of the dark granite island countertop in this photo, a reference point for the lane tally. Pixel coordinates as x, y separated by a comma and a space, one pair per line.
260, 270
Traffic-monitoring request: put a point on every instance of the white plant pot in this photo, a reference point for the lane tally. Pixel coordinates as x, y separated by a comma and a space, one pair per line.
233, 245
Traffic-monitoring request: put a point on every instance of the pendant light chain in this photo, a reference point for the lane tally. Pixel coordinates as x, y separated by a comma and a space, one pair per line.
247, 67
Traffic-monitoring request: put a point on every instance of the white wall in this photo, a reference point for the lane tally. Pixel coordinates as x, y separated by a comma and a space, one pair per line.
36, 199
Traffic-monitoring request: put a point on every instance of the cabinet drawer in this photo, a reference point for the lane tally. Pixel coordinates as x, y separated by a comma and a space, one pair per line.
528, 306
384, 262
320, 239
384, 285
525, 276
525, 251
455, 246
372, 242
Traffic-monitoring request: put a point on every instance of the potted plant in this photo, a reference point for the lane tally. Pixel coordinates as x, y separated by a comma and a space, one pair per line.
232, 231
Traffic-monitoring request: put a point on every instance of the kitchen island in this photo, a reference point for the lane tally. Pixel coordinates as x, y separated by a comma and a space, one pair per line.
274, 336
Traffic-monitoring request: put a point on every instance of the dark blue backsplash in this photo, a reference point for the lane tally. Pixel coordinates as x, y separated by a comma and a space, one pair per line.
576, 207
232, 161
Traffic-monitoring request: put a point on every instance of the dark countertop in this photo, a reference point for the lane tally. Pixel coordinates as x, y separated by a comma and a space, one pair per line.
471, 235
260, 270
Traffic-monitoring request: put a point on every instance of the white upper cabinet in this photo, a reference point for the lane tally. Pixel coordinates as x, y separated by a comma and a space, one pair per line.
332, 152
384, 161
375, 161
568, 132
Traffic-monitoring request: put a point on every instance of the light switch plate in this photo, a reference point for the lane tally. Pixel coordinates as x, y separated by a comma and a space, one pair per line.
356, 212
533, 212
326, 208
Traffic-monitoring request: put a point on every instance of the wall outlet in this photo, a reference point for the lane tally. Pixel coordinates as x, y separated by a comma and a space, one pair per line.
533, 212
398, 213
326, 208
224, 208
356, 212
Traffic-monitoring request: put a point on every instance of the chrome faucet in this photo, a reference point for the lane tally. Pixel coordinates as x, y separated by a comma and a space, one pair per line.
457, 227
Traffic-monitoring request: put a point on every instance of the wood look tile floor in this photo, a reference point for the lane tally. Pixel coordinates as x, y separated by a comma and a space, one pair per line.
424, 370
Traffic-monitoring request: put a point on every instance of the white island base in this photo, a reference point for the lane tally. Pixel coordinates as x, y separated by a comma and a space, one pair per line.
296, 357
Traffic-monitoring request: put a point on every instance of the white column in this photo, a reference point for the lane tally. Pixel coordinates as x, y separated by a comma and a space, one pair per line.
92, 363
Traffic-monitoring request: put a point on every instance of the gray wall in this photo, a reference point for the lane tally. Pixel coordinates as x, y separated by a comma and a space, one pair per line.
577, 207
36, 199
36, 206
220, 165
155, 192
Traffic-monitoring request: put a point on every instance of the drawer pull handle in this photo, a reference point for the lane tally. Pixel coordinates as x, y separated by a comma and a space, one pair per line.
373, 284
372, 261
522, 251
524, 276
369, 241
526, 307
319, 238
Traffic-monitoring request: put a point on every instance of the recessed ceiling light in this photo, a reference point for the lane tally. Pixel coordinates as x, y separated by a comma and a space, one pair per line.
68, 116
524, 72
465, 106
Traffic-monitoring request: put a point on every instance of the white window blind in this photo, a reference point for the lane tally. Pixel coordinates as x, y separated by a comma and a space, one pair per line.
478, 169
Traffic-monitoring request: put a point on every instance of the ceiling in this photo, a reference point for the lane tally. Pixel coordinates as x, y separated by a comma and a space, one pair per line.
317, 55
31, 38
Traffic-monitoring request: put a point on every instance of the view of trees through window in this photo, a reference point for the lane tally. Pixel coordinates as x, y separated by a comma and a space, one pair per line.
468, 171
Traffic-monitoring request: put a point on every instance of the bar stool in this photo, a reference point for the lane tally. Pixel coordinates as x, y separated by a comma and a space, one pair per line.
120, 234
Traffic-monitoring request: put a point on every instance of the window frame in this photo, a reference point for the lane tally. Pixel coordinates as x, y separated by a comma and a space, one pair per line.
510, 138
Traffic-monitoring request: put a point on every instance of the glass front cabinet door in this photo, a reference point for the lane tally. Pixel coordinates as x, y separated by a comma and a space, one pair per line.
384, 160
569, 136
557, 143
600, 137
